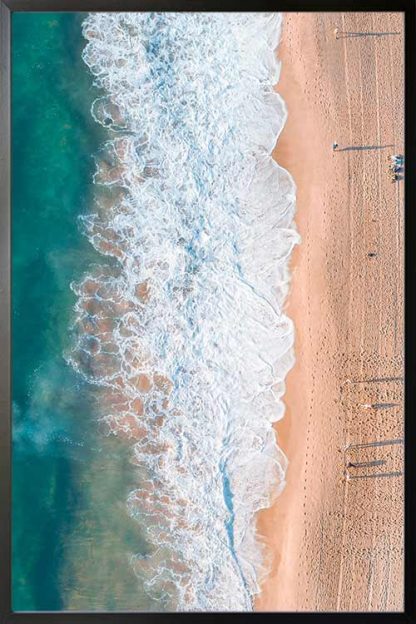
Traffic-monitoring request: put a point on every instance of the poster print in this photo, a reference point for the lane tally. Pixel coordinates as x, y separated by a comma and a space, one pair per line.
207, 311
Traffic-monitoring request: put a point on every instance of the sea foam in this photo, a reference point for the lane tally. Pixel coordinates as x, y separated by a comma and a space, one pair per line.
182, 324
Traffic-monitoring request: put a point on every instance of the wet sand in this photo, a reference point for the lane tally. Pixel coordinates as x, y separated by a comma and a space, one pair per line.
335, 535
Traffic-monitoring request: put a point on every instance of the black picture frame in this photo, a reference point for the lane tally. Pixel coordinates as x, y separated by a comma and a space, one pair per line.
7, 7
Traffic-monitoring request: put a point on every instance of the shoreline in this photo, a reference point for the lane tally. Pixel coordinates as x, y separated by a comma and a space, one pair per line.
317, 532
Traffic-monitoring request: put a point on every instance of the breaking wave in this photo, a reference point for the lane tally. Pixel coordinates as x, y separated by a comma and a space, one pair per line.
182, 324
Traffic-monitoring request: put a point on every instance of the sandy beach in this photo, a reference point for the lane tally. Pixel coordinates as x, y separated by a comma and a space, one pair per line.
335, 535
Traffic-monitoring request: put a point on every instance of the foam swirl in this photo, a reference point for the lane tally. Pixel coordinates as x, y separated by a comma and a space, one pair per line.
182, 325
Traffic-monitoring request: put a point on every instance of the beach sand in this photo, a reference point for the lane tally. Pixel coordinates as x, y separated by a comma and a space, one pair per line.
335, 535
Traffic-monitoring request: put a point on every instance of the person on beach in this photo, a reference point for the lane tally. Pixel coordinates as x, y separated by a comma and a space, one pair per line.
336, 31
395, 158
334, 146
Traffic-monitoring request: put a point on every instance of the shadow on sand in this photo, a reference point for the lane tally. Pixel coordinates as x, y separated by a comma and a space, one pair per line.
361, 148
346, 35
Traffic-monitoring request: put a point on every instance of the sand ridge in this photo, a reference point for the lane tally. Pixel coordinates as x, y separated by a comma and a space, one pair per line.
335, 535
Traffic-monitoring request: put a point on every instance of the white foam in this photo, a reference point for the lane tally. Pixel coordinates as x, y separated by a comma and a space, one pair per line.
191, 206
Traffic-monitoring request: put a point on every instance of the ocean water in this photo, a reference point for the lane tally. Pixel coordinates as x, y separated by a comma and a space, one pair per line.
178, 329
72, 536
151, 236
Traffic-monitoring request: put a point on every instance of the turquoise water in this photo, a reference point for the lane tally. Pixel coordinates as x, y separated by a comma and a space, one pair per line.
71, 542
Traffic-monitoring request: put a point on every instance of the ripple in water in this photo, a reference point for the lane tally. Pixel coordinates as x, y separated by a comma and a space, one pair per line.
182, 325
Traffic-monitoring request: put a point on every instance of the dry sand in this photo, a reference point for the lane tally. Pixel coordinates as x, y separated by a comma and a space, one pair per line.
336, 533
